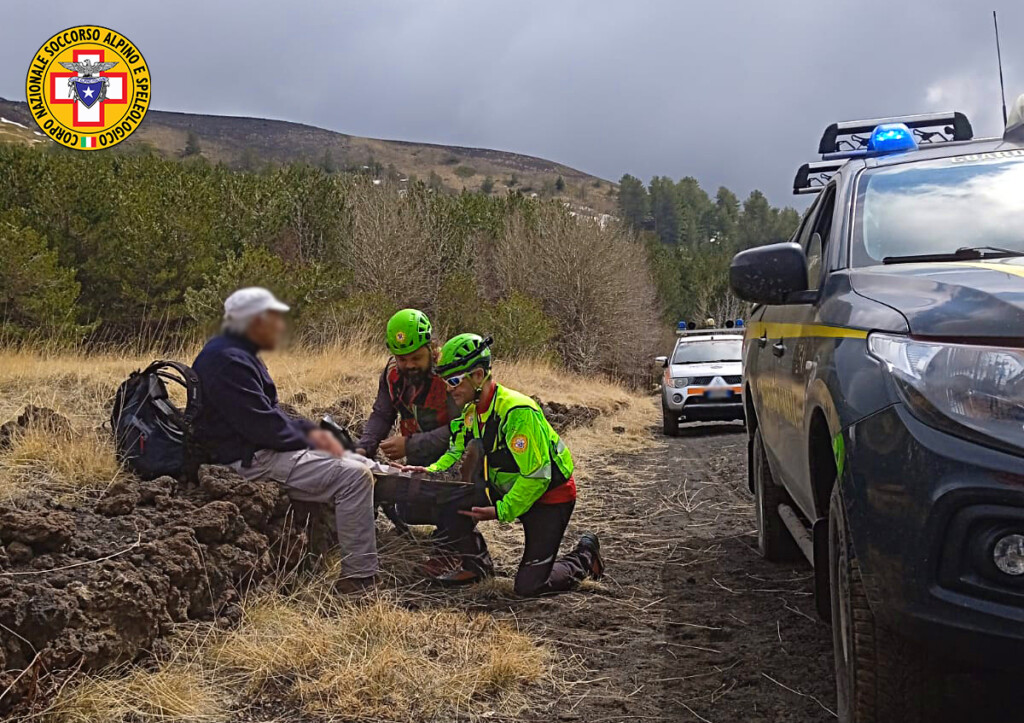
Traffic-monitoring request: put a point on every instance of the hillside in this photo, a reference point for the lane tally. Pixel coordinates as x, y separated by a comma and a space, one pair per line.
245, 142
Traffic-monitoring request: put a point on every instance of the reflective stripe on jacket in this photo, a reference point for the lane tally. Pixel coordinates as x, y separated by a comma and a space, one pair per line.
523, 455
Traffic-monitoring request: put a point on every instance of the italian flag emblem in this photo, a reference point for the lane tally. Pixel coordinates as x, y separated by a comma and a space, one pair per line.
88, 142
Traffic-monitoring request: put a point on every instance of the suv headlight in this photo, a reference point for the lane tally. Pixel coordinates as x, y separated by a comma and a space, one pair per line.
680, 382
970, 390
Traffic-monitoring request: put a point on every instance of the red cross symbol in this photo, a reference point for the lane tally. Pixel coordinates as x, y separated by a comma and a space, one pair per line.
89, 117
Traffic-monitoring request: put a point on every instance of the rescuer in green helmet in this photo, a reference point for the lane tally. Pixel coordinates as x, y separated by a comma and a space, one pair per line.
527, 476
411, 393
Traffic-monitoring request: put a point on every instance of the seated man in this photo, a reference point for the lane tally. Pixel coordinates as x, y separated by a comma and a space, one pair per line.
411, 393
528, 476
240, 425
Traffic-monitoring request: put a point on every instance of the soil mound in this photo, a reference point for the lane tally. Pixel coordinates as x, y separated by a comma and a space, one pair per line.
567, 416
33, 417
95, 586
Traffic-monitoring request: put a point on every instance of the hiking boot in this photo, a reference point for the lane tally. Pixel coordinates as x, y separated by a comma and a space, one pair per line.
458, 577
439, 565
590, 544
355, 585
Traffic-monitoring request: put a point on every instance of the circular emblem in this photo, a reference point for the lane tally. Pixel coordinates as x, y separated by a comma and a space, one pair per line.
400, 337
520, 443
88, 87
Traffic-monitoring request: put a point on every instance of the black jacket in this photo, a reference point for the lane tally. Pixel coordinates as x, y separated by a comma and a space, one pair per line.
239, 404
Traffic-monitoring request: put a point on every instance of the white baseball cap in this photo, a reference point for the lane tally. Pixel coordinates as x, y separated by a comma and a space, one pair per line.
250, 301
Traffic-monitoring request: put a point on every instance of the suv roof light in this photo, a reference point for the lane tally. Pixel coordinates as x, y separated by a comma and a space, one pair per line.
892, 138
927, 128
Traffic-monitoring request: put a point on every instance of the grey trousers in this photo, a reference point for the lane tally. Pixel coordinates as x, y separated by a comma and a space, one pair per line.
347, 483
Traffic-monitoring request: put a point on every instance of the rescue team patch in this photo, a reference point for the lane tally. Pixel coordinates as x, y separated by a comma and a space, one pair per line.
520, 443
88, 87
400, 337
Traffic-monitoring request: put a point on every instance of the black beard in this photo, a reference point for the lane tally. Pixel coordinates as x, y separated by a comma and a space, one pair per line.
415, 378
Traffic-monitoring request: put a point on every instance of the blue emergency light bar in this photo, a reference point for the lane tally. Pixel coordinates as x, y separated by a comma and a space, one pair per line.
684, 327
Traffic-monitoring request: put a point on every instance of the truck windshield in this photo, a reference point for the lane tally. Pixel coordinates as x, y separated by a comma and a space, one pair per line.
704, 352
940, 207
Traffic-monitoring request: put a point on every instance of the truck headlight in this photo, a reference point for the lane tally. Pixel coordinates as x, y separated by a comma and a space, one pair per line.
970, 390
680, 382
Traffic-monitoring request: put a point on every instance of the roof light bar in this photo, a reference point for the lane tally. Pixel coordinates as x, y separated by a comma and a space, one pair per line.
813, 177
690, 329
927, 128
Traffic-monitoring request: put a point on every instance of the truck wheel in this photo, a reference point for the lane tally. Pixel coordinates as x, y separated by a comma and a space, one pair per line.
669, 422
773, 538
881, 677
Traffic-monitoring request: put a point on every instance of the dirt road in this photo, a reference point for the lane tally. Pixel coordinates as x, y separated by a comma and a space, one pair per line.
693, 624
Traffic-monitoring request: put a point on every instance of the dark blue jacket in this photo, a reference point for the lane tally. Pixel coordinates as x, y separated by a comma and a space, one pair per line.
239, 404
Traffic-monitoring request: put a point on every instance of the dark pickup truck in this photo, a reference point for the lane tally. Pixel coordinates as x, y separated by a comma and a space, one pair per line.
884, 396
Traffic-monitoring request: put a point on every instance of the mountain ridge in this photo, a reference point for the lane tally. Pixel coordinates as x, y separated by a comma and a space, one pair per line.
245, 141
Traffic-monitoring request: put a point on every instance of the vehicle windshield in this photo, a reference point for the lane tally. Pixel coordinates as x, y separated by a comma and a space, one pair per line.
937, 207
704, 352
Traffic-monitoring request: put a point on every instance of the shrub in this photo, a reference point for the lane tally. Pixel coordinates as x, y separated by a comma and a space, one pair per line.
594, 285
37, 294
520, 327
465, 171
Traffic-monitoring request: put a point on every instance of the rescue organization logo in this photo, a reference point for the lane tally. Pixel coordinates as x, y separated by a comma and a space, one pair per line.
519, 443
88, 87
400, 337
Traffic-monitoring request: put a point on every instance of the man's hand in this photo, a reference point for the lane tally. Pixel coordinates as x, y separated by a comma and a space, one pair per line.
324, 441
414, 469
360, 450
393, 447
481, 514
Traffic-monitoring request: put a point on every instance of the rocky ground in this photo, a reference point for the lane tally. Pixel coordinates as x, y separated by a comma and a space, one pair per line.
92, 586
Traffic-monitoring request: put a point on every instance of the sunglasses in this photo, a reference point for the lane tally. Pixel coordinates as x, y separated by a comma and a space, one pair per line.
456, 380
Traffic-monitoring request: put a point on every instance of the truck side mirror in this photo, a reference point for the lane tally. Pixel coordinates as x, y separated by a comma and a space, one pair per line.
661, 361
769, 274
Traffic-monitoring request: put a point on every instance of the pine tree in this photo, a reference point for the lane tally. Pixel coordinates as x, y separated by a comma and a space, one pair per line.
192, 147
327, 163
633, 201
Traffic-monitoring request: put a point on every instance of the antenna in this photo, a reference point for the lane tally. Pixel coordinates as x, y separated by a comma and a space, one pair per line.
999, 55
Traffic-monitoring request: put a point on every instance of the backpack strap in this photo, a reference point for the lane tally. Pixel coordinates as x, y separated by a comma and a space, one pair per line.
193, 390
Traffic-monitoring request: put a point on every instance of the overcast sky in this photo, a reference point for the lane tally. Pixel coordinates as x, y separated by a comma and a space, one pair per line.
731, 92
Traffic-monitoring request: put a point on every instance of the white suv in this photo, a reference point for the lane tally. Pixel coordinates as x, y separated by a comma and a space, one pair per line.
703, 378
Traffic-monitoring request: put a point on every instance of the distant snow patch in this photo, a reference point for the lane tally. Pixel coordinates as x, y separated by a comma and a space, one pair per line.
13, 123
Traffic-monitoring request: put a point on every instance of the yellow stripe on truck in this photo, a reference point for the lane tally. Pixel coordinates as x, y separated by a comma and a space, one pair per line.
1014, 269
774, 330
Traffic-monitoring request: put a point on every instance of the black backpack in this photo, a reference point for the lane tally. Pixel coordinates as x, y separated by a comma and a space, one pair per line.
151, 435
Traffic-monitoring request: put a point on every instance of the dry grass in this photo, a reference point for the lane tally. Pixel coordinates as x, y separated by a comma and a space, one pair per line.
406, 654
37, 461
173, 692
377, 660
328, 657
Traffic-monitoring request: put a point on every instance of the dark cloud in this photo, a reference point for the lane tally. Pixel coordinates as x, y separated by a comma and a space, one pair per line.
734, 93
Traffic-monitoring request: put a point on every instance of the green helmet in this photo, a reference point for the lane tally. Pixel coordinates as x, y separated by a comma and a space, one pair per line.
464, 352
408, 330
